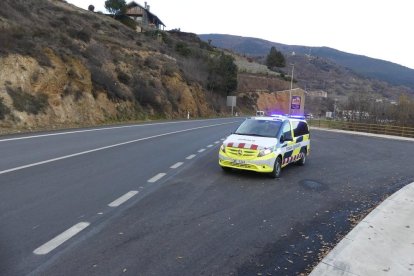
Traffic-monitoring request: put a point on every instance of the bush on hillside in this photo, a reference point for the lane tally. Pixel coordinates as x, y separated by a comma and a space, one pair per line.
25, 102
183, 49
4, 110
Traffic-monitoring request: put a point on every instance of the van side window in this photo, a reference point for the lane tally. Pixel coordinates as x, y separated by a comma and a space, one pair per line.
300, 128
286, 130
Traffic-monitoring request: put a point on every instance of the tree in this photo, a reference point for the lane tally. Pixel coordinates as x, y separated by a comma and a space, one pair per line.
223, 75
91, 8
116, 7
275, 59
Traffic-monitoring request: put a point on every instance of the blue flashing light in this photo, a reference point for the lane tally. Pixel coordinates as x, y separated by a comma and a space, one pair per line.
297, 116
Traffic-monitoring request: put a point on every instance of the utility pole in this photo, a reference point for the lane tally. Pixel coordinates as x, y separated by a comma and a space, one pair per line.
290, 91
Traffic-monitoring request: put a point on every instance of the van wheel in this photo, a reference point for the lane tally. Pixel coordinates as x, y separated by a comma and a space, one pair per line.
302, 161
277, 168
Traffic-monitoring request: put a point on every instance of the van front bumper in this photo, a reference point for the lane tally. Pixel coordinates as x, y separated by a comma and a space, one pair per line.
261, 164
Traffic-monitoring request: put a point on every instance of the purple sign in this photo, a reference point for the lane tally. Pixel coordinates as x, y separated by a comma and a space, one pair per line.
296, 100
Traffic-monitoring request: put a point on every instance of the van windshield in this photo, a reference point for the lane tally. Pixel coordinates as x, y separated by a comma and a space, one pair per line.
263, 128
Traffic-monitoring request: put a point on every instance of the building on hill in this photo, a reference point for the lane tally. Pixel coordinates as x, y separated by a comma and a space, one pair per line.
141, 14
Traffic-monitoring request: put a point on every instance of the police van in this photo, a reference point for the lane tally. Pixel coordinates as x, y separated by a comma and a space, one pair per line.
266, 145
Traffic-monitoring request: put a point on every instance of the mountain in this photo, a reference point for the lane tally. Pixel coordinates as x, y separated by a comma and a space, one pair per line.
365, 66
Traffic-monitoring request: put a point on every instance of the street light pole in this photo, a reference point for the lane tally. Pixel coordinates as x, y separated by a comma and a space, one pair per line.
290, 91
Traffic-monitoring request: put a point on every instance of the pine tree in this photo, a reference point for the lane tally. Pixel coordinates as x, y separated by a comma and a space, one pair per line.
275, 58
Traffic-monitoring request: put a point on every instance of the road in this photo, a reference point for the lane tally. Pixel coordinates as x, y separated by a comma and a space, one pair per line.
150, 199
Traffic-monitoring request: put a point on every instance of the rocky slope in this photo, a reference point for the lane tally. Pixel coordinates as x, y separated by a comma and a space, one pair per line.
61, 66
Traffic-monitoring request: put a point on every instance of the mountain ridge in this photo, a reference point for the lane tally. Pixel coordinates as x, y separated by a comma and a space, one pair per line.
383, 70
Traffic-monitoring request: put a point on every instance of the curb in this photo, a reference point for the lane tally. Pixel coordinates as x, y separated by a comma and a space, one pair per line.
381, 244
365, 134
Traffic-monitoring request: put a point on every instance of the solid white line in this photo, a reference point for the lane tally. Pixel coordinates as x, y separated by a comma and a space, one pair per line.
190, 156
156, 178
103, 148
122, 199
176, 165
58, 240
201, 150
96, 129
209, 146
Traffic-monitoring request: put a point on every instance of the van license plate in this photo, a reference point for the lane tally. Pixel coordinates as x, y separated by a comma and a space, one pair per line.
239, 161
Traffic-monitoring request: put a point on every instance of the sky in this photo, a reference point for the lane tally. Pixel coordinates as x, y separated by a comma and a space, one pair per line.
376, 28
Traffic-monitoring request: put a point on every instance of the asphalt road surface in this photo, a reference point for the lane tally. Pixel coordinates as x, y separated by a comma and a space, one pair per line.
151, 200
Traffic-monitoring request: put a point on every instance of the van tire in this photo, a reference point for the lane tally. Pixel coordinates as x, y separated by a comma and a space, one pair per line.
302, 161
277, 168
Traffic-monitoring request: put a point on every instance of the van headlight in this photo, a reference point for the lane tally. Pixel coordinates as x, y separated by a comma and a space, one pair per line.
223, 148
264, 152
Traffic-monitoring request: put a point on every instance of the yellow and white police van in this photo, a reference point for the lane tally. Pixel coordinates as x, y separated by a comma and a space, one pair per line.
266, 144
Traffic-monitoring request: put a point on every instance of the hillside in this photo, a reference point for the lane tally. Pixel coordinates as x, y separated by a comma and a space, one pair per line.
61, 66
360, 66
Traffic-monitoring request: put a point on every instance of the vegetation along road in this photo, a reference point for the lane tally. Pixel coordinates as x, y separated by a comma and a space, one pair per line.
150, 199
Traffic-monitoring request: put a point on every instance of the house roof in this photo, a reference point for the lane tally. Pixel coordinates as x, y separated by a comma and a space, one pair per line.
151, 16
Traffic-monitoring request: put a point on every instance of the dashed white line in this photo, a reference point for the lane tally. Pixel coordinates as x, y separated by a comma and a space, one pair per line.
176, 165
122, 199
103, 148
222, 139
209, 146
156, 178
201, 150
216, 142
60, 239
190, 156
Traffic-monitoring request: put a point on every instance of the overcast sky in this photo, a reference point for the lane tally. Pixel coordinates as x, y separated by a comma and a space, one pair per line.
376, 28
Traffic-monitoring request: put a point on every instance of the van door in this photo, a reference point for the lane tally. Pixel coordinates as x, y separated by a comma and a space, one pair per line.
288, 144
301, 138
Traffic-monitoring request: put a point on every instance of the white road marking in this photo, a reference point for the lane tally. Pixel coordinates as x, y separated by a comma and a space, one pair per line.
156, 178
222, 139
176, 165
209, 146
216, 142
190, 156
96, 129
122, 199
60, 239
104, 148
201, 150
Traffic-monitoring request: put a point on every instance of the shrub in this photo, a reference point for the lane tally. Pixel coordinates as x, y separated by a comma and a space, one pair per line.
151, 62
83, 35
183, 49
4, 110
25, 102
123, 77
101, 80
169, 70
129, 23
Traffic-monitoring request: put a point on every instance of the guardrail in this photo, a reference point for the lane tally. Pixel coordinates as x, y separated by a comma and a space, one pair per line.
363, 127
